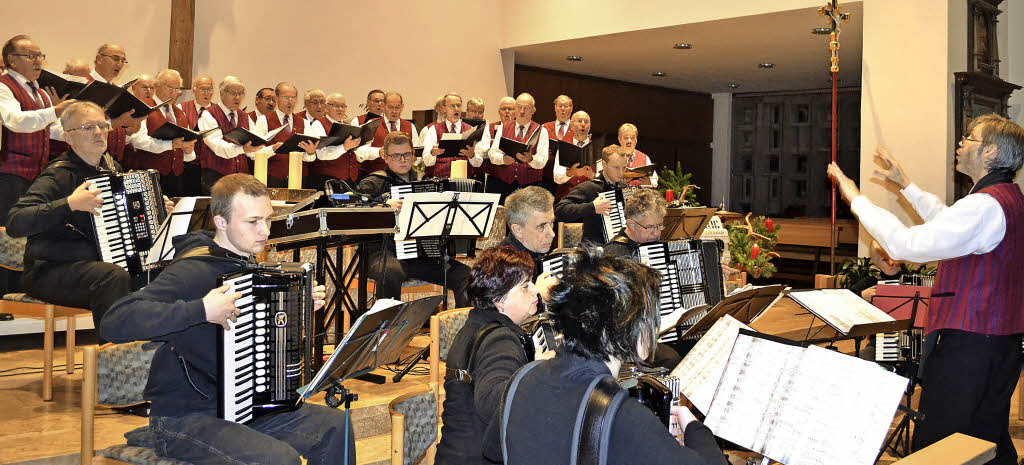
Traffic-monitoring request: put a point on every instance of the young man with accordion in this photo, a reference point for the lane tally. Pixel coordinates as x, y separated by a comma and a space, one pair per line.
589, 203
185, 308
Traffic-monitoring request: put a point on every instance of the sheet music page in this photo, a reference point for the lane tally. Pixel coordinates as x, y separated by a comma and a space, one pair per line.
739, 408
701, 370
175, 224
836, 409
840, 308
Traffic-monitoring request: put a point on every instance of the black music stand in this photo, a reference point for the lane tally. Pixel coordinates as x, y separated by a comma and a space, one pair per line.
743, 306
198, 218
902, 434
446, 215
686, 223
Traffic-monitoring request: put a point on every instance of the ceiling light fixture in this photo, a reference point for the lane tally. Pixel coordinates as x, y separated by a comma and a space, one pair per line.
766, 65
574, 58
659, 74
821, 31
682, 46
734, 86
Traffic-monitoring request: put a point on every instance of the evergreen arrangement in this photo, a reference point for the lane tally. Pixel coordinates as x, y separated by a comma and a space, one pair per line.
752, 245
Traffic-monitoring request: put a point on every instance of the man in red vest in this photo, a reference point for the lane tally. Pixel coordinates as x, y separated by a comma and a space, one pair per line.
437, 162
144, 88
634, 158
336, 164
568, 178
202, 90
559, 129
972, 351
266, 101
369, 155
512, 171
28, 119
218, 156
293, 123
314, 107
164, 156
506, 110
110, 60
374, 104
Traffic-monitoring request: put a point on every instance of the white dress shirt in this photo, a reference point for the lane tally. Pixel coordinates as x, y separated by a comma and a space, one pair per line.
430, 141
974, 224
97, 77
539, 159
629, 160
558, 169
314, 129
18, 120
365, 152
224, 149
142, 141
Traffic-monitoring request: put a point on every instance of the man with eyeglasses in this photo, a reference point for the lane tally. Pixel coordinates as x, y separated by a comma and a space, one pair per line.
110, 60
437, 162
515, 170
583, 204
28, 114
369, 154
293, 123
143, 88
314, 108
374, 105
340, 164
165, 156
506, 110
62, 263
202, 91
385, 269
634, 158
568, 178
266, 101
559, 129
220, 157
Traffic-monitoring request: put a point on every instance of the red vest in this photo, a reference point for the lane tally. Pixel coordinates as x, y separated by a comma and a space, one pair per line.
277, 165
345, 167
988, 296
551, 127
518, 172
224, 166
443, 166
24, 154
171, 161
191, 121
378, 164
639, 159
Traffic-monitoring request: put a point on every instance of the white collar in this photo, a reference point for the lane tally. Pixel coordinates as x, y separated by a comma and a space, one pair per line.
97, 77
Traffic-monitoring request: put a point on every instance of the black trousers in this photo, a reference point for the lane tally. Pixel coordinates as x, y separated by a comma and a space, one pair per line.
208, 178
11, 189
92, 285
967, 384
388, 272
173, 185
191, 182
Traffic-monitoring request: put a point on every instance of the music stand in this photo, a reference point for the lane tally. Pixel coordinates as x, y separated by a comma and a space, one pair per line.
686, 223
189, 214
744, 306
446, 215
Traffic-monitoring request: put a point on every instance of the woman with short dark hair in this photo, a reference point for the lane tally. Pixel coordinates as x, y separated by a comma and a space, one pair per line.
503, 296
607, 311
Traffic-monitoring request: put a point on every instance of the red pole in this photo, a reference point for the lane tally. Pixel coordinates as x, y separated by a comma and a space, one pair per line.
832, 245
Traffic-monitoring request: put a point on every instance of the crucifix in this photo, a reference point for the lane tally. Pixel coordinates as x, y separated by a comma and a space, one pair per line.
834, 13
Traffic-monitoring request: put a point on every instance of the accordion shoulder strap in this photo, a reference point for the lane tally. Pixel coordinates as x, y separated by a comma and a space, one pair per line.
195, 252
462, 374
594, 422
506, 402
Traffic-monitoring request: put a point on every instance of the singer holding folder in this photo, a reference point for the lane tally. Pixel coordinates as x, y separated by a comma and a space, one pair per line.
976, 313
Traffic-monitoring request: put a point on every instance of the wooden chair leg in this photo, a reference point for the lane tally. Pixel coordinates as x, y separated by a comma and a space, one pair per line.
70, 337
1020, 397
88, 404
397, 439
48, 354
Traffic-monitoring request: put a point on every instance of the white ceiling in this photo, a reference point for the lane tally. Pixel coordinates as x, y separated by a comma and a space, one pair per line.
724, 51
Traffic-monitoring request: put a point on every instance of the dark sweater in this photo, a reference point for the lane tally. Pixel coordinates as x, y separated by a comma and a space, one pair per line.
543, 416
55, 233
622, 246
510, 240
469, 409
183, 376
578, 207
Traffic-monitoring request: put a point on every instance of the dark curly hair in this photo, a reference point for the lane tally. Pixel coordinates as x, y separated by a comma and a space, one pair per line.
604, 305
497, 270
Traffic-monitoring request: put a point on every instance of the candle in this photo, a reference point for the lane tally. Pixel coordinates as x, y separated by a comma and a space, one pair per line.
295, 170
669, 196
459, 169
755, 250
260, 167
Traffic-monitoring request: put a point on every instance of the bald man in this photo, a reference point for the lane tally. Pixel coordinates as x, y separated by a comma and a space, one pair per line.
437, 162
143, 88
218, 156
568, 178
369, 154
165, 156
202, 91
285, 116
77, 67
512, 171
506, 110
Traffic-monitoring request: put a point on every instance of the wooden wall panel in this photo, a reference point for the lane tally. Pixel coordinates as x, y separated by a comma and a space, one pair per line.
179, 57
674, 125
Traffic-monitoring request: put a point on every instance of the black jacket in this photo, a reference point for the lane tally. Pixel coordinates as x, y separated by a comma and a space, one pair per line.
468, 409
378, 183
622, 246
578, 206
543, 416
55, 233
510, 240
183, 376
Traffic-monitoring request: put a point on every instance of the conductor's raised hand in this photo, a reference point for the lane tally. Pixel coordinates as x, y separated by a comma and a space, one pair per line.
893, 172
846, 186
319, 296
219, 305
85, 200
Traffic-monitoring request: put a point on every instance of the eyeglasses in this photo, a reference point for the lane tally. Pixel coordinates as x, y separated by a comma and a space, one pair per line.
148, 87
337, 105
969, 138
288, 98
393, 108
316, 102
204, 90
103, 127
653, 227
234, 94
524, 107
31, 56
116, 59
402, 156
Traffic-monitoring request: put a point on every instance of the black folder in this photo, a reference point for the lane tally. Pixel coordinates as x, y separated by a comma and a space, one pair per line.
341, 131
455, 143
569, 154
474, 122
65, 87
115, 100
511, 146
171, 131
292, 144
241, 136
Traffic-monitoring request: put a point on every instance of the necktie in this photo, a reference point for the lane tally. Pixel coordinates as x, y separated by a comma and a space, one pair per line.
168, 114
201, 110
451, 127
580, 143
393, 128
522, 134
287, 128
35, 94
231, 119
561, 130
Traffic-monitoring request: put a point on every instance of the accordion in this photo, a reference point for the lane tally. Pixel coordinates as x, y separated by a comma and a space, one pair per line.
900, 346
130, 217
556, 262
264, 357
691, 273
655, 391
615, 220
431, 247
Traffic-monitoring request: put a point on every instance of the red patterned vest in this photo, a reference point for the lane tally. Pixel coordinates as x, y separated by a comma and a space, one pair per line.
378, 164
518, 172
191, 121
443, 166
639, 159
552, 128
345, 167
277, 165
988, 296
225, 166
24, 154
171, 161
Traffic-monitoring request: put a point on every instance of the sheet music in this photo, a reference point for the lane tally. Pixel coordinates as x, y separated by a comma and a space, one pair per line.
701, 370
840, 308
428, 215
804, 406
174, 225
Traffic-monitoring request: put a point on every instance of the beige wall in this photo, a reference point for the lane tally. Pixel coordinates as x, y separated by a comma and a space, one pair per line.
74, 29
